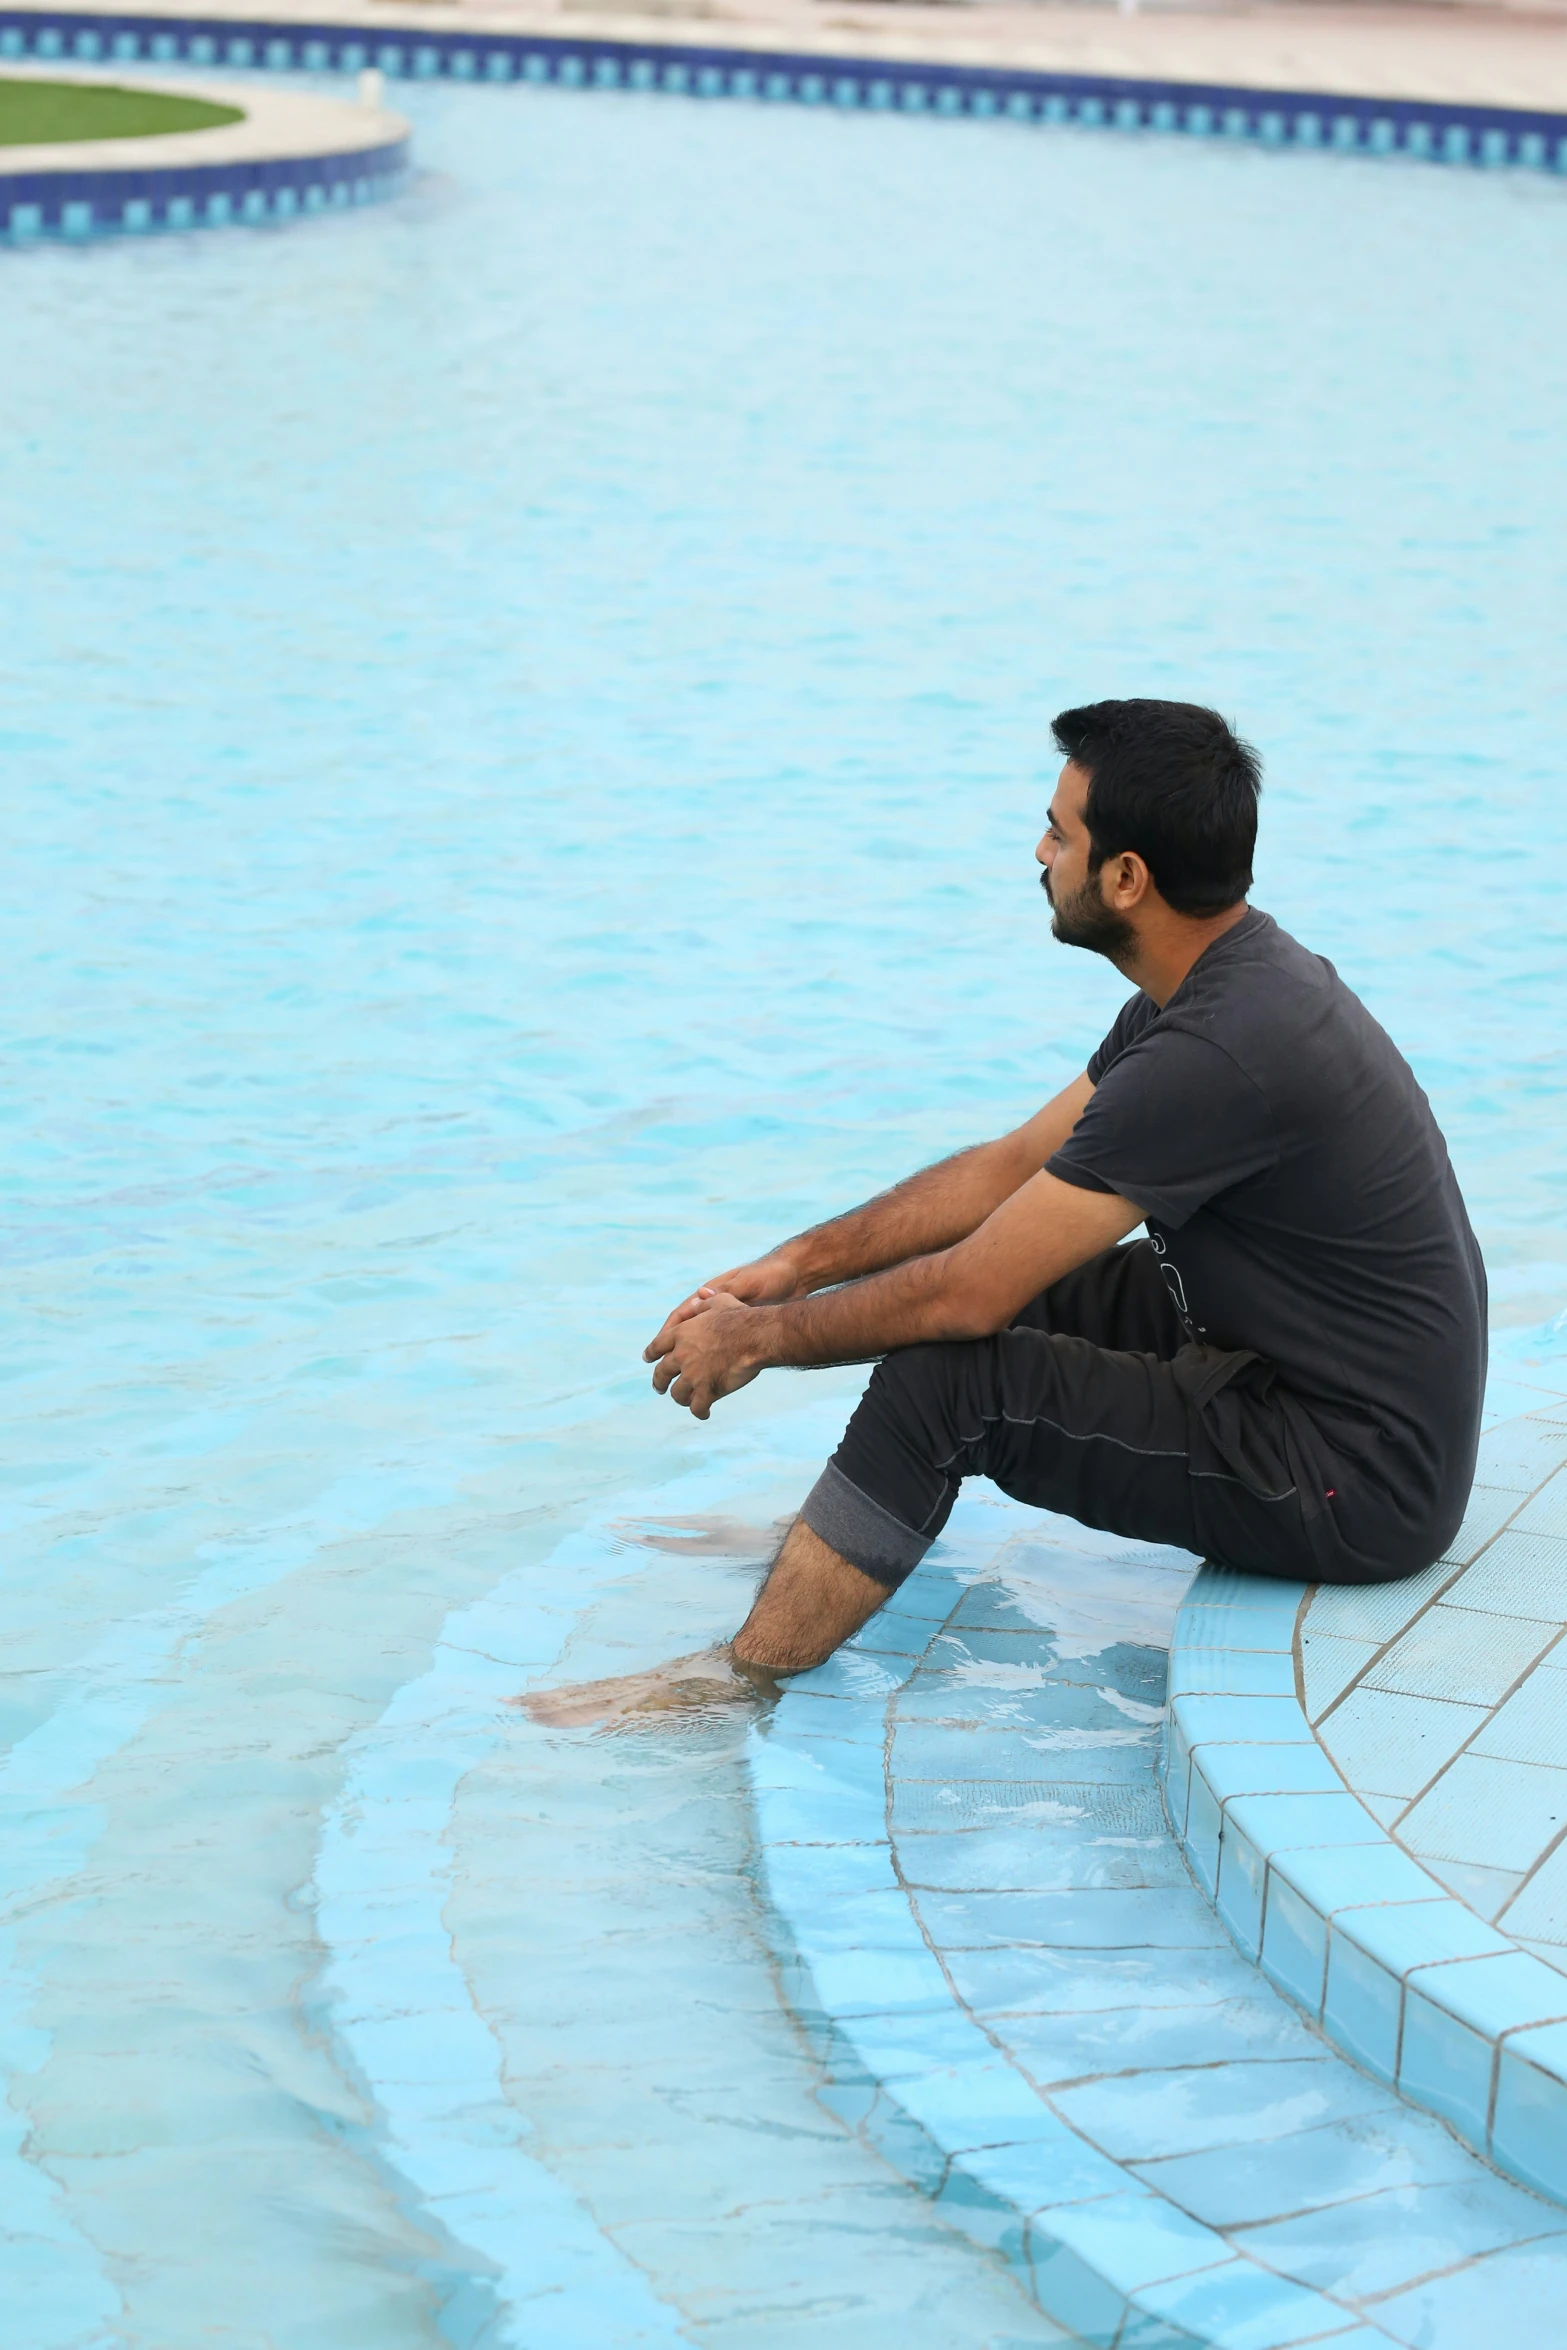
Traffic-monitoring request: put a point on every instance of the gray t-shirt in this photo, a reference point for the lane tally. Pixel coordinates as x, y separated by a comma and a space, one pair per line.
1300, 1200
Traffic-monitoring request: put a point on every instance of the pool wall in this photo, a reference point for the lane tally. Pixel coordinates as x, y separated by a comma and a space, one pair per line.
1431, 130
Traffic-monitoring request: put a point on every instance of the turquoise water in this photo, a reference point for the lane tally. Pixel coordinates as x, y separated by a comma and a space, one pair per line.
524, 730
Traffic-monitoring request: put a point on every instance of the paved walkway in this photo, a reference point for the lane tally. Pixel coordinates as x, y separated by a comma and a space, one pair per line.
1479, 55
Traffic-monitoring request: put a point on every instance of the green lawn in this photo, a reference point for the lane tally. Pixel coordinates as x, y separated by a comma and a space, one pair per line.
36, 114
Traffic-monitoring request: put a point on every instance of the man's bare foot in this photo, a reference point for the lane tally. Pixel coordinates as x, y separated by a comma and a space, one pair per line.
688, 1684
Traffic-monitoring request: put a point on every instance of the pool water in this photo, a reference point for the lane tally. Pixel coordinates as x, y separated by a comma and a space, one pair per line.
524, 726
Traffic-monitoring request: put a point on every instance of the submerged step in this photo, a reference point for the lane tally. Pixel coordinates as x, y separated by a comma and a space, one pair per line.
1019, 1993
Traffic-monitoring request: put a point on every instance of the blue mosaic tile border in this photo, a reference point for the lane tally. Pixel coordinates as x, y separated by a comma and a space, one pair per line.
1436, 132
1399, 1974
210, 195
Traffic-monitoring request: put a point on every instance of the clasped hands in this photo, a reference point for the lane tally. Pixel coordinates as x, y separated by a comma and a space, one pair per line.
707, 1347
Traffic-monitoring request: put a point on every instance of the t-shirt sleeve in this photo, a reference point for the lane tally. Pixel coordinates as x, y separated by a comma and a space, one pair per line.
1174, 1122
1130, 1021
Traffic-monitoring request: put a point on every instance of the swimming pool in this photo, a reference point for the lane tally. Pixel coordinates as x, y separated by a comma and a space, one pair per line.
524, 734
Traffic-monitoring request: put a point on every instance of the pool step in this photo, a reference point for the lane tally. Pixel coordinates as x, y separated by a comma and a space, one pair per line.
1019, 1994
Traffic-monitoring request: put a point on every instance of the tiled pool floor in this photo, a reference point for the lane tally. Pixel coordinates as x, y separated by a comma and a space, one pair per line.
1031, 2006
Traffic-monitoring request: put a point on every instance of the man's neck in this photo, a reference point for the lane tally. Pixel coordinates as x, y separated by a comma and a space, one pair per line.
1168, 944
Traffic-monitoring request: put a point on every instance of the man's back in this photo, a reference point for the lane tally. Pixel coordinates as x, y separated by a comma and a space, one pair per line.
1300, 1198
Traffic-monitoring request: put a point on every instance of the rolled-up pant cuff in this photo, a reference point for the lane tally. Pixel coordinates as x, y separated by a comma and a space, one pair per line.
861, 1531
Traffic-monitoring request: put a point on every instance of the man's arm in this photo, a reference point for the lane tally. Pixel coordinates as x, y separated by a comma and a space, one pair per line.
932, 1210
1043, 1230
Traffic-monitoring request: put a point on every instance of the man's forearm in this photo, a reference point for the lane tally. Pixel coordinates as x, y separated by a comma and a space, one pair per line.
936, 1208
903, 1306
926, 1212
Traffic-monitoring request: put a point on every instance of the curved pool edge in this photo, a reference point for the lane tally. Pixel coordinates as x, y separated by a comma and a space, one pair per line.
1449, 131
908, 2066
291, 155
1395, 1968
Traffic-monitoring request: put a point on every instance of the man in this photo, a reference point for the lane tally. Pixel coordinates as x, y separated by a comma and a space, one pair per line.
1285, 1375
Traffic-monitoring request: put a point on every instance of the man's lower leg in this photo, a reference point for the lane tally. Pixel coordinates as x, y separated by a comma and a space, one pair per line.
811, 1601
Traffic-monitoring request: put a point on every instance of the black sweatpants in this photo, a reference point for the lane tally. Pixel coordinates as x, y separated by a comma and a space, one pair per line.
1092, 1403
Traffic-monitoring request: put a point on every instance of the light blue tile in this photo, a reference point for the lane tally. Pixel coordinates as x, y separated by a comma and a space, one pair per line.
1521, 1454
1002, 1983
1512, 2298
950, 1750
1446, 2066
1389, 2147
871, 1920
1529, 2128
1235, 1626
1177, 1766
1291, 1823
1057, 2048
1382, 2242
822, 1815
1239, 2104
799, 1712
1392, 1745
1070, 2289
901, 2143
1294, 1946
1540, 1911
985, 2218
1240, 2307
975, 2104
1354, 1876
1136, 2238
1204, 1819
1419, 1933
1521, 1574
904, 2051
1277, 1597
1500, 1815
1460, 1654
1493, 1995
801, 1874
914, 1604
996, 1860
878, 1982
1362, 2006
1048, 2167
1485, 1514
1531, 1726
1209, 1720
1328, 1664
805, 1764
1547, 1512
1243, 1873
864, 1680
1071, 1921
1375, 1611
964, 1645
1266, 1770
1231, 1672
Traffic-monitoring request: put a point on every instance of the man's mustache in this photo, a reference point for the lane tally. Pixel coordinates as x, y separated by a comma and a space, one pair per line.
1044, 882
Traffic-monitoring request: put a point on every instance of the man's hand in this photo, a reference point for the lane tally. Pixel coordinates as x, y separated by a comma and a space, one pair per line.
702, 1352
767, 1282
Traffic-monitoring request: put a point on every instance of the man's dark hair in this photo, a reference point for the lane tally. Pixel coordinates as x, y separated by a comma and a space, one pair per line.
1174, 783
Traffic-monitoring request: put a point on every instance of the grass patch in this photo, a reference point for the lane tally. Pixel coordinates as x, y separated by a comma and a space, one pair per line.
41, 114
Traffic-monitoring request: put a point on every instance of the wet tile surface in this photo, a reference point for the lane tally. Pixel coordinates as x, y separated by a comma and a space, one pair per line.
1100, 2025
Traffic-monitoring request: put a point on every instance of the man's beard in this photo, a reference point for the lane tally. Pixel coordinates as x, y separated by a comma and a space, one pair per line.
1084, 920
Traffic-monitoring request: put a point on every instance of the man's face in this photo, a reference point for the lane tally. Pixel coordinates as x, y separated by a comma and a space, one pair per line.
1082, 918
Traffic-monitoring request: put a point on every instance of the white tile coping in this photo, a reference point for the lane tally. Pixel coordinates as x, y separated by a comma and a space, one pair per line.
275, 126
1401, 1975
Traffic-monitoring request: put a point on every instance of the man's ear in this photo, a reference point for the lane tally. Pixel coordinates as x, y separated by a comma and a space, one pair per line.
1125, 881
